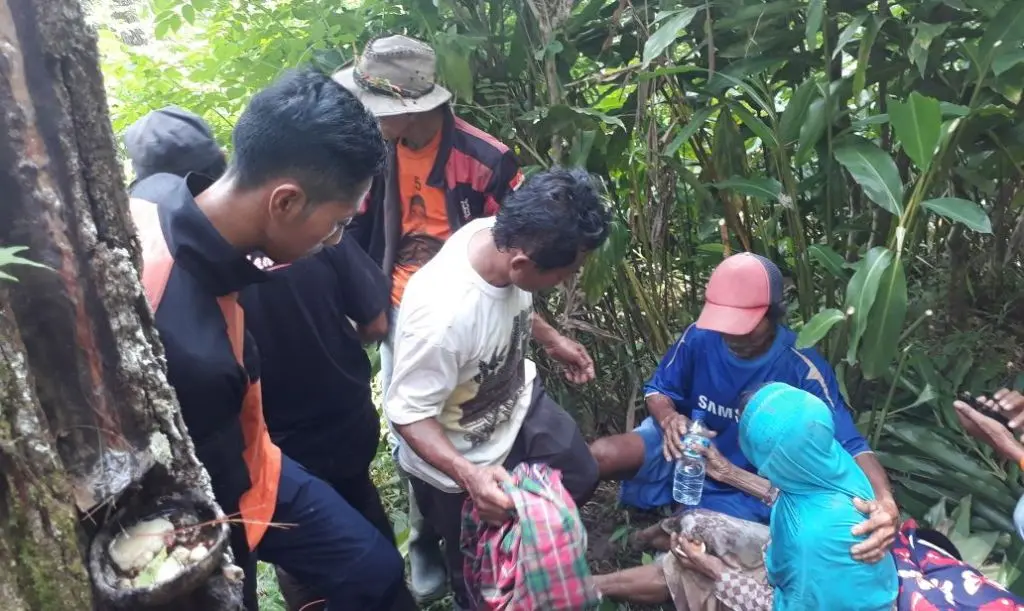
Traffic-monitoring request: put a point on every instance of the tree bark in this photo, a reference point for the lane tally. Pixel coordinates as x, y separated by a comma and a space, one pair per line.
87, 418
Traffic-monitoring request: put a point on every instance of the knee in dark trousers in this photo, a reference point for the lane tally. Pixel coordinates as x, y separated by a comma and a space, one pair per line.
550, 436
327, 546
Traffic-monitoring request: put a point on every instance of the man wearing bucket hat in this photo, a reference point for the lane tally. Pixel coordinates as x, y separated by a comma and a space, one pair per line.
443, 173
738, 343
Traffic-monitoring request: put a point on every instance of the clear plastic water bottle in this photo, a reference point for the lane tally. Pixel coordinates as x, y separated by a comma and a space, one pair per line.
688, 482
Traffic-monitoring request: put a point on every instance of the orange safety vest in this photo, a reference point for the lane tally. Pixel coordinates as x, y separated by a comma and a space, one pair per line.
261, 456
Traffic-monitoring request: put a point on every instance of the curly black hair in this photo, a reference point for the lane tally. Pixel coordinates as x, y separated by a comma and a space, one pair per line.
553, 217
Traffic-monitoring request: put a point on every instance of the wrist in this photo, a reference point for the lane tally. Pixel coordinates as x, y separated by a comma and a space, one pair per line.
462, 472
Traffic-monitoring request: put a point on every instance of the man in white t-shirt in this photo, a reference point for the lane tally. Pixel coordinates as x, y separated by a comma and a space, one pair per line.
464, 398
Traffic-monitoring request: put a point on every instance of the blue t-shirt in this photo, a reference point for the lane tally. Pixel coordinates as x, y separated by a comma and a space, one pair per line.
700, 371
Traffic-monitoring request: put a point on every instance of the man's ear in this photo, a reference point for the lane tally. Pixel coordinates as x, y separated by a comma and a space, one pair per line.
520, 261
287, 201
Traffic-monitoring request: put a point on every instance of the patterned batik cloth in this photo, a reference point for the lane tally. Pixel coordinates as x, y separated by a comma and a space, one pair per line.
933, 580
536, 560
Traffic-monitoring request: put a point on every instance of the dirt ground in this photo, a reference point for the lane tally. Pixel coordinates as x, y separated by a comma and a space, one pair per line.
608, 530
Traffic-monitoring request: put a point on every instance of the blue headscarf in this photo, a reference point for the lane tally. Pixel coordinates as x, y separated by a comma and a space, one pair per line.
789, 435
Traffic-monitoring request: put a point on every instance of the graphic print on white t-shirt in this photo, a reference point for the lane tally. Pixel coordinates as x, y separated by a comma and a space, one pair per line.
499, 385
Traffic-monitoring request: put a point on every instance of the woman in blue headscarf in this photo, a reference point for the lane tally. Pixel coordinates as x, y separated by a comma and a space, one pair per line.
788, 434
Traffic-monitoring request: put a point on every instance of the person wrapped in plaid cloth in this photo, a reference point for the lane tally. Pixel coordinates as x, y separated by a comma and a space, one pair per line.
537, 558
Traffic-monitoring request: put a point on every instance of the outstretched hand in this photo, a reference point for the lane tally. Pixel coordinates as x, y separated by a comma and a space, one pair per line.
579, 367
988, 431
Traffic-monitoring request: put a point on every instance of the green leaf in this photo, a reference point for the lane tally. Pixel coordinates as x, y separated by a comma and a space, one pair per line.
876, 173
923, 37
188, 13
960, 211
667, 34
885, 322
601, 266
796, 110
756, 125
818, 327
811, 131
1002, 33
815, 12
697, 121
918, 125
759, 187
9, 256
848, 33
864, 53
829, 259
161, 29
1007, 60
861, 292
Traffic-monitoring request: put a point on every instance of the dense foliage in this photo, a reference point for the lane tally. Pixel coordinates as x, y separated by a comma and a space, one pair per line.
873, 149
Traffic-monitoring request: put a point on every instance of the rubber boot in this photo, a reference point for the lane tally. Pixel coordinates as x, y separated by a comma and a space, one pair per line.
429, 579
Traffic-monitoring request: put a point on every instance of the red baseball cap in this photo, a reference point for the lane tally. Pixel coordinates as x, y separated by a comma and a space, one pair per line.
740, 291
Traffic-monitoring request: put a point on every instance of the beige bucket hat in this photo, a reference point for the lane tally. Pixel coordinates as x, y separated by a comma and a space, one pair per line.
395, 75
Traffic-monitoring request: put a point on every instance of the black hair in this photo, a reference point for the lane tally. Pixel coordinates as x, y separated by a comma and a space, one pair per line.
307, 127
747, 394
553, 217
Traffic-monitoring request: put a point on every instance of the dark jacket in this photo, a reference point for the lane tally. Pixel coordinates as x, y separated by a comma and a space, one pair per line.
191, 276
475, 170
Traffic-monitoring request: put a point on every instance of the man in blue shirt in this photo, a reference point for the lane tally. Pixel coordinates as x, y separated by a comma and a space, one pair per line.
736, 345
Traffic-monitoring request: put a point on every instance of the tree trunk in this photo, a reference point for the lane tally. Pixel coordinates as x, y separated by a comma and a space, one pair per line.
87, 419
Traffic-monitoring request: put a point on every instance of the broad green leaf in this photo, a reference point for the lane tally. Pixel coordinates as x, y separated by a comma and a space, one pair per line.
962, 517
601, 266
756, 125
864, 53
667, 34
188, 13
977, 547
885, 322
161, 29
1007, 60
960, 211
810, 132
860, 295
848, 33
918, 125
818, 327
876, 173
829, 259
1002, 33
759, 187
796, 110
697, 121
815, 12
924, 34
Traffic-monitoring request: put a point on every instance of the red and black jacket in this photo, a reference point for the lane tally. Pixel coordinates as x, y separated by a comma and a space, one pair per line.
474, 169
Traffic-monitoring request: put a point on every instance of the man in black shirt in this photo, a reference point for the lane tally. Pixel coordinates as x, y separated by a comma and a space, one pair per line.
310, 320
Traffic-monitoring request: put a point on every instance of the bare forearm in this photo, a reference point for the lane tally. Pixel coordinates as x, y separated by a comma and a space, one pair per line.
751, 483
869, 464
660, 407
427, 439
543, 333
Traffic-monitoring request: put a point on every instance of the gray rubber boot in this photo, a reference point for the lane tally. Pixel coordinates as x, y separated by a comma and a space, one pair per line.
429, 579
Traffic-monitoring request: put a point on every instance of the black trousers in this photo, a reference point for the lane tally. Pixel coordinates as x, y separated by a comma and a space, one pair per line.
358, 490
549, 436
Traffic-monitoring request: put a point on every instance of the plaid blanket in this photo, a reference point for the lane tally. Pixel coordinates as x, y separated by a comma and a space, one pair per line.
535, 561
